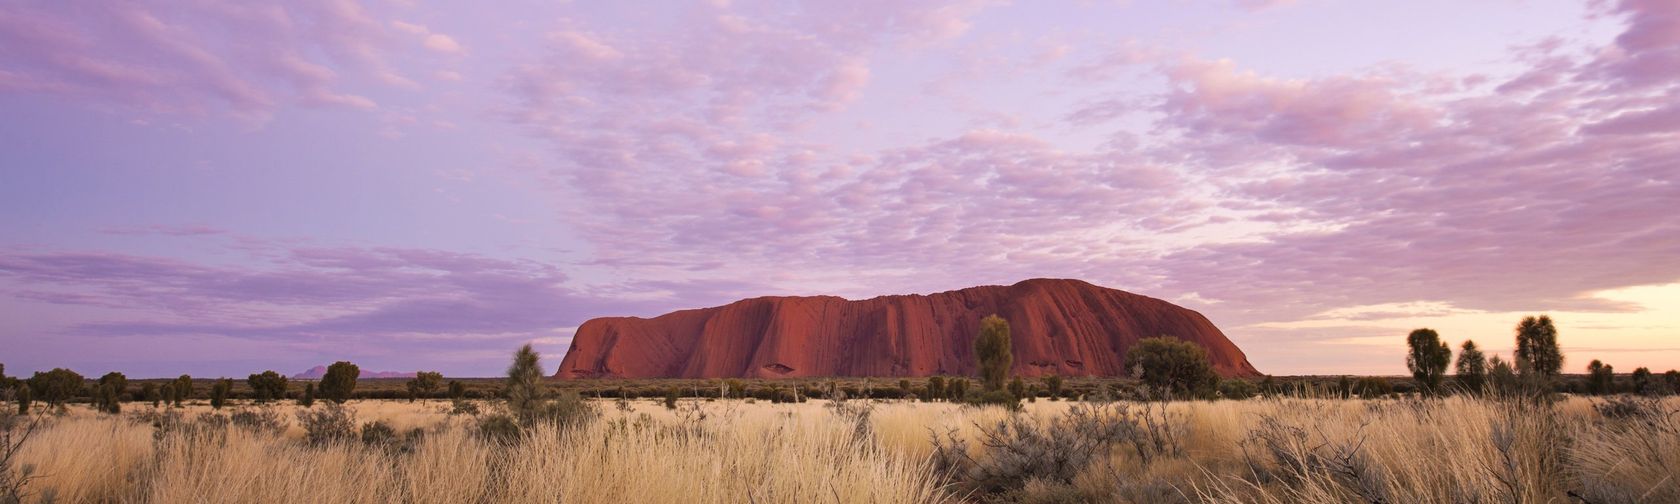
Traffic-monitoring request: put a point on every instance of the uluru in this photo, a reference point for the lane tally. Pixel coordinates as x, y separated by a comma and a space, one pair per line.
1059, 327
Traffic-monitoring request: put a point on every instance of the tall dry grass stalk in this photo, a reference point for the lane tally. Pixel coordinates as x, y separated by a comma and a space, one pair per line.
1268, 451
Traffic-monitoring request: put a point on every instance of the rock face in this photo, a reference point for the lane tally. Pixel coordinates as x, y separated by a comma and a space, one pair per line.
1062, 327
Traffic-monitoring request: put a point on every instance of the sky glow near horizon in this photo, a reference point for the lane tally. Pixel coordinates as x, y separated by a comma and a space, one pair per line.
221, 188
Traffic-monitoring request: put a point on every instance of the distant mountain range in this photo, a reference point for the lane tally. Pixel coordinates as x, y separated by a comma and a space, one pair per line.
315, 373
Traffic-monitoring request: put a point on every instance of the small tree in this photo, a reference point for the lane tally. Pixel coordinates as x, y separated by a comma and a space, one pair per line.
935, 388
1018, 388
56, 386
1673, 379
1537, 347
425, 383
339, 382
671, 397
267, 385
524, 383
1471, 370
219, 392
308, 399
1601, 378
993, 349
183, 389
167, 393
1053, 384
1427, 358
109, 391
106, 399
23, 400
1502, 377
457, 390
1172, 365
149, 393
1642, 382
904, 389
957, 389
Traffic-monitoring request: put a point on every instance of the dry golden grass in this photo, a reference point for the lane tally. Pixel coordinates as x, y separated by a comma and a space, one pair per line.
1451, 450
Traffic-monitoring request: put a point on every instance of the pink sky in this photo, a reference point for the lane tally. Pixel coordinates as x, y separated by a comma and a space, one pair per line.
221, 188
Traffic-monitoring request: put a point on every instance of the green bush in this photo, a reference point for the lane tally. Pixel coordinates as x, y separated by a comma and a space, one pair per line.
1237, 389
994, 351
219, 393
327, 425
1171, 365
267, 385
378, 434
56, 386
340, 381
499, 428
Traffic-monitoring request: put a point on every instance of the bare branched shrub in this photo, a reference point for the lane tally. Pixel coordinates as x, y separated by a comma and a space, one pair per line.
1300, 456
499, 428
463, 407
332, 423
1022, 449
856, 413
259, 420
1630, 454
1528, 442
15, 430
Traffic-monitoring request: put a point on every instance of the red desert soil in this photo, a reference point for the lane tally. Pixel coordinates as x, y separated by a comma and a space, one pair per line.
1062, 327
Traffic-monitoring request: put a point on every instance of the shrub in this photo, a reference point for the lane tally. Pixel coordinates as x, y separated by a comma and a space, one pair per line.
1023, 448
1053, 383
499, 428
117, 381
183, 389
1601, 378
957, 390
262, 420
23, 400
378, 434
566, 410
308, 398
424, 384
219, 393
457, 390
994, 398
330, 424
267, 385
935, 389
1642, 382
994, 351
106, 399
1372, 387
340, 381
1237, 389
1173, 365
1427, 358
671, 398
463, 407
149, 393
1017, 388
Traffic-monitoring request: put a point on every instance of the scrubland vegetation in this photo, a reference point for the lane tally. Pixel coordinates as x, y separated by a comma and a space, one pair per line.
1495, 431
1278, 449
